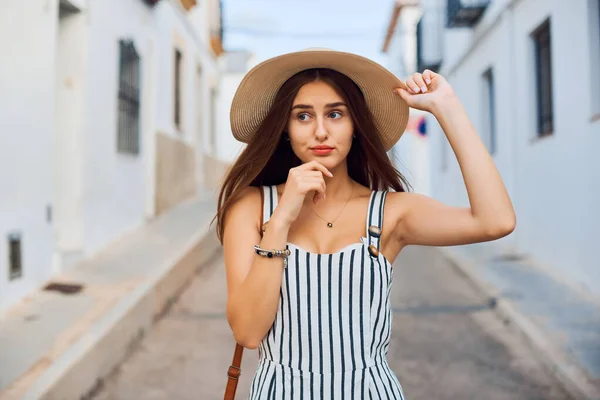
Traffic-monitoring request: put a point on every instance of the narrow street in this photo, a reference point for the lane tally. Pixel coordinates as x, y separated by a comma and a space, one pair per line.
446, 343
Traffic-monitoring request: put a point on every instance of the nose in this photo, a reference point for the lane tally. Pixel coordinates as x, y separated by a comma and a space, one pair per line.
320, 129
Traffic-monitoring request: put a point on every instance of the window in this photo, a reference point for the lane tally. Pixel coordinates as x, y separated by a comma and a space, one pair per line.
129, 99
177, 84
15, 256
543, 79
488, 131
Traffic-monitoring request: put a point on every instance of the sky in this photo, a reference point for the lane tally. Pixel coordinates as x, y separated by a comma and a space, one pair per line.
272, 27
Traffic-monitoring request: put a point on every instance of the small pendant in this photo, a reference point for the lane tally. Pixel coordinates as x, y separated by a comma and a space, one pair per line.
329, 225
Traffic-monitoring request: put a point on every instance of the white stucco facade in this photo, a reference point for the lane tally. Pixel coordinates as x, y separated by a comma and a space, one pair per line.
26, 123
234, 67
552, 180
65, 188
411, 154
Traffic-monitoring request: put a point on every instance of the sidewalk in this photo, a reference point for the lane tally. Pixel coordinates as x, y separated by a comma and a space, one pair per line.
58, 346
560, 323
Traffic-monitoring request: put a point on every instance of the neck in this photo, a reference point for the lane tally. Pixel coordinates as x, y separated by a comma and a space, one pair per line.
340, 186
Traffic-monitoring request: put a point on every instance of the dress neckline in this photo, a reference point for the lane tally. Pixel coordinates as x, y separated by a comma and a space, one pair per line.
374, 219
351, 246
345, 248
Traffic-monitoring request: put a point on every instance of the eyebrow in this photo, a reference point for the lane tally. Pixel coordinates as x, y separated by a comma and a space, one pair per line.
309, 107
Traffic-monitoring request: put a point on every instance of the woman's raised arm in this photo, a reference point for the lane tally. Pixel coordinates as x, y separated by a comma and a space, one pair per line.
427, 221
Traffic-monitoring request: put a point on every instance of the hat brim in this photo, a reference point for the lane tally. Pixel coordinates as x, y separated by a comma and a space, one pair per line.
256, 93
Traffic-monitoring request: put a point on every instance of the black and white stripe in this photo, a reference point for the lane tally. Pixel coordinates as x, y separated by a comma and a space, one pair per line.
331, 334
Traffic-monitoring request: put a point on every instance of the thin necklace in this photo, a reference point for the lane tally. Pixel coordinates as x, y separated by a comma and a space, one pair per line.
330, 223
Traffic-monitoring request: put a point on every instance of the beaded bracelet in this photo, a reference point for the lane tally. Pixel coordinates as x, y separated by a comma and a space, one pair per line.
273, 253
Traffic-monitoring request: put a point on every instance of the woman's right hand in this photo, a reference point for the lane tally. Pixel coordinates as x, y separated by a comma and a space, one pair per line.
303, 180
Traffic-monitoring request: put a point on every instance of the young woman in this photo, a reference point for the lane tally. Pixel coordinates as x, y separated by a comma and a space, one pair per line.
313, 214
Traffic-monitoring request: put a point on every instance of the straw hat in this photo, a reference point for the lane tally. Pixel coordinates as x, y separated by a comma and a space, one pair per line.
256, 93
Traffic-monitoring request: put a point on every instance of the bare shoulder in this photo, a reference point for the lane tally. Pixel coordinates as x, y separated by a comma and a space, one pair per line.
249, 199
398, 203
403, 198
247, 206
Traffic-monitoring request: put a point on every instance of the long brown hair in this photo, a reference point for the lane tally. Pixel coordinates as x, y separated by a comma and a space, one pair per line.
267, 158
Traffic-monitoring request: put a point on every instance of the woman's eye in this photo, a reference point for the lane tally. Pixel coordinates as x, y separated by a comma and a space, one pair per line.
303, 117
336, 115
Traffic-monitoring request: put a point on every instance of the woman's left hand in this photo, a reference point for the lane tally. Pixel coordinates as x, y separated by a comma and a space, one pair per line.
426, 91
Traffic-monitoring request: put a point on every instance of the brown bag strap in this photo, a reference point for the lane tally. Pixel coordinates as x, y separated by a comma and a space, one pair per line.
234, 372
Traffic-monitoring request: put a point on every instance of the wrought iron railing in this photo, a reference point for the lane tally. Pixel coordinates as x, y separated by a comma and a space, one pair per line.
465, 13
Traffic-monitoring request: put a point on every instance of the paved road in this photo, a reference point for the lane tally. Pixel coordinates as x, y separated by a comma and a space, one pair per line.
446, 343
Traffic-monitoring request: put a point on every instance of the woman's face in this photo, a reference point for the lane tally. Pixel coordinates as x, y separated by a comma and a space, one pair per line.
320, 126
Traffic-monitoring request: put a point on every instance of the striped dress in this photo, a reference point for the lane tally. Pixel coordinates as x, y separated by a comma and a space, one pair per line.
330, 337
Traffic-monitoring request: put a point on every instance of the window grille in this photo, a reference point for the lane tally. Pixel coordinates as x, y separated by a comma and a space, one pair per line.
128, 131
489, 111
543, 79
177, 85
15, 256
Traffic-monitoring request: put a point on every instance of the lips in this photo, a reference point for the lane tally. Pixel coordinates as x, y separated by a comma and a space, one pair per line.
321, 150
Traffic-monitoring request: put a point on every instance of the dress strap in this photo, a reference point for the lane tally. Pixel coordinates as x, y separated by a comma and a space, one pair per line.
375, 218
269, 201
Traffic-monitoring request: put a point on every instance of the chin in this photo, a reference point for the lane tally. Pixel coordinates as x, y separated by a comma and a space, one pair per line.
329, 162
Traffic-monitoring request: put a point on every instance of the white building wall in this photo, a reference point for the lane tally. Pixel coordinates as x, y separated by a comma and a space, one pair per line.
58, 114
69, 132
234, 67
117, 196
205, 17
411, 157
26, 126
402, 49
551, 180
200, 76
411, 154
196, 53
114, 183
228, 148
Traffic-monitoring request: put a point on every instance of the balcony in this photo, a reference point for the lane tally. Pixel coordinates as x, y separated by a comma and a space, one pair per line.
465, 13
